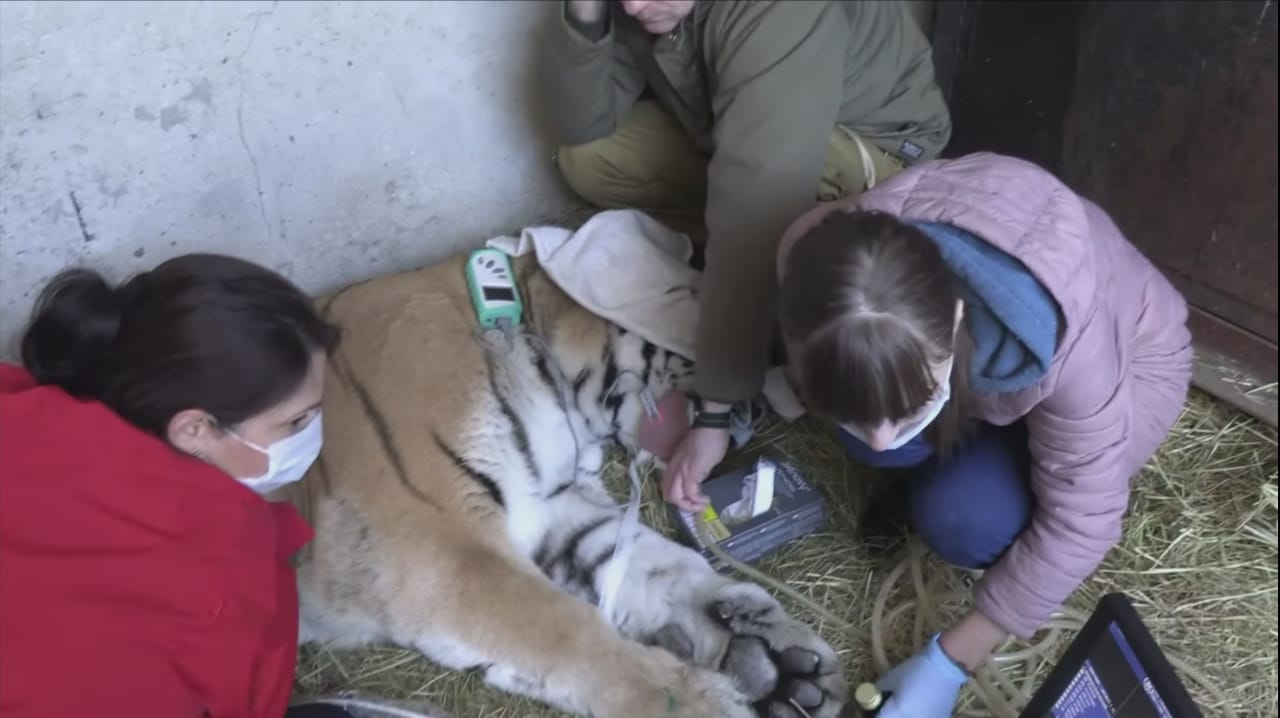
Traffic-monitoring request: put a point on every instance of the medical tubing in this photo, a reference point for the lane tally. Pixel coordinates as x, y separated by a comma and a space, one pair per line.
348, 704
761, 577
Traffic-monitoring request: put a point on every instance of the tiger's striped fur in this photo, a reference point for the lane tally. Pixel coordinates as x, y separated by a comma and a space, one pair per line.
455, 513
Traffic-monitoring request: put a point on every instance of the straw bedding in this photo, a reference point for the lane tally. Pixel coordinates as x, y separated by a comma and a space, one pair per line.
1198, 559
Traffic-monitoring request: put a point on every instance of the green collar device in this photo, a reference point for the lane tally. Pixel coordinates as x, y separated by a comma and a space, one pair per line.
492, 282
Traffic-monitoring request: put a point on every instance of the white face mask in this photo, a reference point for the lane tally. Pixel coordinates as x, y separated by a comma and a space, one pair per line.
287, 459
922, 420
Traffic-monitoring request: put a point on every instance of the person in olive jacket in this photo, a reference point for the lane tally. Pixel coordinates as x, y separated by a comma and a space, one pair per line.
757, 110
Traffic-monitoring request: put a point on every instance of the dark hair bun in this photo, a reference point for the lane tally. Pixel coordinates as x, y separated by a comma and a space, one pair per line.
73, 327
200, 331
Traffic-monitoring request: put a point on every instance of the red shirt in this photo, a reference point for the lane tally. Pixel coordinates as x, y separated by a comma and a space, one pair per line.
134, 580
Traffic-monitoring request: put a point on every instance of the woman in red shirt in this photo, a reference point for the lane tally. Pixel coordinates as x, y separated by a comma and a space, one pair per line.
142, 572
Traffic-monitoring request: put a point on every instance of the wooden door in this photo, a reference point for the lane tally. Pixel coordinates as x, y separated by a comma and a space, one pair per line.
1165, 114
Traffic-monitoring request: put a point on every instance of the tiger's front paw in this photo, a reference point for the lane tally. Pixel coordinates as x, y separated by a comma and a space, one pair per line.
776, 661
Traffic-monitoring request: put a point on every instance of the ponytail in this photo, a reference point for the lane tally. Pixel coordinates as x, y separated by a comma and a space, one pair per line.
72, 331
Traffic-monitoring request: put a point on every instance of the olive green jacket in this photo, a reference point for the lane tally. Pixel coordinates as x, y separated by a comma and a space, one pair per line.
759, 86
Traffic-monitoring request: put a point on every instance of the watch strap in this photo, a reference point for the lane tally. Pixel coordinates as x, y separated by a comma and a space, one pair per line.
712, 419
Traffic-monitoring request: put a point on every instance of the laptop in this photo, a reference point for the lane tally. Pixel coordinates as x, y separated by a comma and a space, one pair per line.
1112, 669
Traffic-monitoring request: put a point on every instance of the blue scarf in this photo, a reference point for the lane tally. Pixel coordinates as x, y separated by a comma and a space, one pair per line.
1011, 316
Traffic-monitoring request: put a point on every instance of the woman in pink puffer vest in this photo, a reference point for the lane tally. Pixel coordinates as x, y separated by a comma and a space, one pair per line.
979, 325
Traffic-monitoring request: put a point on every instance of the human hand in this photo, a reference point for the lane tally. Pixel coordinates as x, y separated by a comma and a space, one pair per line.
927, 685
586, 11
698, 453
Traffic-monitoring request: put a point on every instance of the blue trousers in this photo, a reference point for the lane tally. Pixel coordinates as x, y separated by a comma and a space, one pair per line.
969, 509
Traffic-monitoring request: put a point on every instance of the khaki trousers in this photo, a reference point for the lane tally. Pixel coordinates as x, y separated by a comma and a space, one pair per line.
650, 164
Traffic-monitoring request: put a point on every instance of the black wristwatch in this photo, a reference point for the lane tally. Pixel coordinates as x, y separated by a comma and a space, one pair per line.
711, 419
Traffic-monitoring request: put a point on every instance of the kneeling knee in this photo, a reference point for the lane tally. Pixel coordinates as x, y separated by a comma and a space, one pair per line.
972, 528
583, 168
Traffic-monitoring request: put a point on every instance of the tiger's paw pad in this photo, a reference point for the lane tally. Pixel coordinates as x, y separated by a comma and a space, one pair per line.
778, 662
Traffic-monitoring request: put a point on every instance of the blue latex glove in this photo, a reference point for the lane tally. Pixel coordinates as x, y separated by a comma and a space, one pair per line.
927, 685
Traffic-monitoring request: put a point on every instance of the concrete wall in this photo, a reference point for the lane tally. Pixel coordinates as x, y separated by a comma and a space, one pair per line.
329, 140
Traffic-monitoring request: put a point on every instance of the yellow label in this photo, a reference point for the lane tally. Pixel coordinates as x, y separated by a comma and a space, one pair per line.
709, 528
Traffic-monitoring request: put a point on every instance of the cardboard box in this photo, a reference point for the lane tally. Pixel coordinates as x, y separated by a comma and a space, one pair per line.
797, 510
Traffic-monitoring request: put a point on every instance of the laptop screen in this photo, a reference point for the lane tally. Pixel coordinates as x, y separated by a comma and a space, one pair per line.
1112, 669
1112, 683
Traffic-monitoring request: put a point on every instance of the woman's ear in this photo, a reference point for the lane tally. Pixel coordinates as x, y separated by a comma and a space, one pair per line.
191, 431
